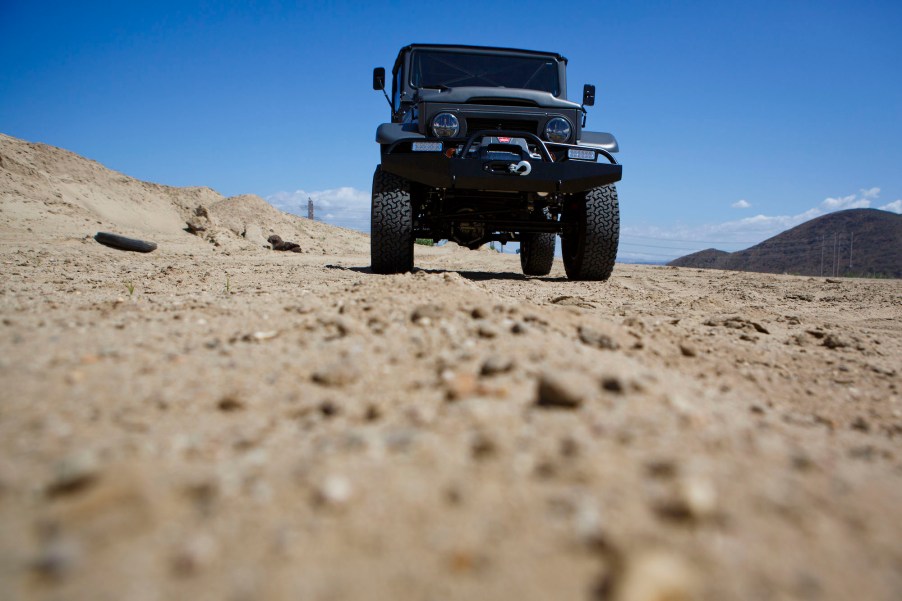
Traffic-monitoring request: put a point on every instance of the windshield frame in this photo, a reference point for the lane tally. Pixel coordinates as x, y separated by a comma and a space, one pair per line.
558, 86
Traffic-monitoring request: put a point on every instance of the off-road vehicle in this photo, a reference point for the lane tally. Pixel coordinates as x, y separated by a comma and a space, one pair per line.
484, 146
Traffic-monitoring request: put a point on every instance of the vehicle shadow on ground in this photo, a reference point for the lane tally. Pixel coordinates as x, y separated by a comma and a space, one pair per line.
476, 276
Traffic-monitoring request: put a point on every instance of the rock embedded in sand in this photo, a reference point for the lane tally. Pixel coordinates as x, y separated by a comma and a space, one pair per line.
598, 339
656, 576
565, 391
495, 365
338, 373
74, 473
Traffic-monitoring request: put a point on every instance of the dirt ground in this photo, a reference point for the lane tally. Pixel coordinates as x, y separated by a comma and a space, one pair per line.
216, 420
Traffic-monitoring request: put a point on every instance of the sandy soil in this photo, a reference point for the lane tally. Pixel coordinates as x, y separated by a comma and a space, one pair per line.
216, 420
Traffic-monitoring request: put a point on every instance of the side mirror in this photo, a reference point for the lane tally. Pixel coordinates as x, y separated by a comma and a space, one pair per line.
379, 78
588, 95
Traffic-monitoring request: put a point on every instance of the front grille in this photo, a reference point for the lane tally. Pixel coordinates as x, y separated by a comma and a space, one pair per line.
474, 125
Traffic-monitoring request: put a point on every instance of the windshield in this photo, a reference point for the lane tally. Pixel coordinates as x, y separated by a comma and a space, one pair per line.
437, 69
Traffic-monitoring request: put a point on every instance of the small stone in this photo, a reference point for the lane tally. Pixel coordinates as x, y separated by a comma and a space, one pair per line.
656, 576
496, 365
373, 413
229, 404
339, 373
694, 499
834, 341
861, 424
479, 313
613, 384
74, 474
519, 328
482, 447
260, 336
426, 314
661, 468
565, 392
486, 331
459, 385
195, 225
334, 490
328, 408
597, 339
688, 350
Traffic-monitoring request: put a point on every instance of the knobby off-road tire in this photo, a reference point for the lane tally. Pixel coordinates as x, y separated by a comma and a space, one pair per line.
591, 247
391, 224
536, 253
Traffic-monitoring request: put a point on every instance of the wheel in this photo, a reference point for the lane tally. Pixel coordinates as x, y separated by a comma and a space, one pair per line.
123, 243
391, 224
590, 245
536, 253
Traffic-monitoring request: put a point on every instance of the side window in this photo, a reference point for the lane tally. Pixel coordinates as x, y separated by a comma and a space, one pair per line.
396, 91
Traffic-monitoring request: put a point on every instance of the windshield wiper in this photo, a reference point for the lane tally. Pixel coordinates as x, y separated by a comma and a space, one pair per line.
437, 86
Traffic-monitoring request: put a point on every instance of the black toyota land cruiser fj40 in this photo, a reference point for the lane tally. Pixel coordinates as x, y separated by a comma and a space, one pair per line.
483, 146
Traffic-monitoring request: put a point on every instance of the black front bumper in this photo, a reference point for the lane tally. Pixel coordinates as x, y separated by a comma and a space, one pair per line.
464, 172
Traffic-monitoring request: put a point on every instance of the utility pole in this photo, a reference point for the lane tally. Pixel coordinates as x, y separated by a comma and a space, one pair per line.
851, 236
822, 255
834, 254
309, 208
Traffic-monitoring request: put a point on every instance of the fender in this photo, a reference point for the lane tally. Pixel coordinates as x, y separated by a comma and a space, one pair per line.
389, 133
599, 139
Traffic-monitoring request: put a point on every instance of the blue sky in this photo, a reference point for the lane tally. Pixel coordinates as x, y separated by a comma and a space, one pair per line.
736, 119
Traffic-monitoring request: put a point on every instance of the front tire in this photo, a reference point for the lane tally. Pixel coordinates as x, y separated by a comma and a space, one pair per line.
590, 244
536, 253
391, 224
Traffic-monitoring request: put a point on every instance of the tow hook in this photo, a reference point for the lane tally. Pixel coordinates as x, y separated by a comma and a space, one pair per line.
521, 168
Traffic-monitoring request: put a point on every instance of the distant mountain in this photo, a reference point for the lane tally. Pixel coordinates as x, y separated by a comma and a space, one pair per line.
856, 242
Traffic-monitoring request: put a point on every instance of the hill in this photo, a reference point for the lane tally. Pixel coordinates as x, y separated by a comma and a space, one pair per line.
51, 192
855, 242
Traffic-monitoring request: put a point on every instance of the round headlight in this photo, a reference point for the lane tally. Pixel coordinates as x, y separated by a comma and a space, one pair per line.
557, 130
445, 125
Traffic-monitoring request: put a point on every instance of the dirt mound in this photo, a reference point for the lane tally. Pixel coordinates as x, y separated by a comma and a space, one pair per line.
54, 194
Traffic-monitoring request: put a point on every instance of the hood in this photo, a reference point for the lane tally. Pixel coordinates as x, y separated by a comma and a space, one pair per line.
489, 95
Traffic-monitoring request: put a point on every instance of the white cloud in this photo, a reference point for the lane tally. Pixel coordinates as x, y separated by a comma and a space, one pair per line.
672, 242
345, 206
870, 192
741, 204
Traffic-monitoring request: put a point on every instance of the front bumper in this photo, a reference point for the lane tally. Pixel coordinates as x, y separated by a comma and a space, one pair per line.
468, 171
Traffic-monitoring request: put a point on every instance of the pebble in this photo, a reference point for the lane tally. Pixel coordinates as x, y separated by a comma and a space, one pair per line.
495, 365
426, 314
693, 499
833, 341
861, 424
339, 373
459, 385
73, 474
557, 390
486, 331
597, 339
482, 446
656, 576
688, 350
229, 404
334, 490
